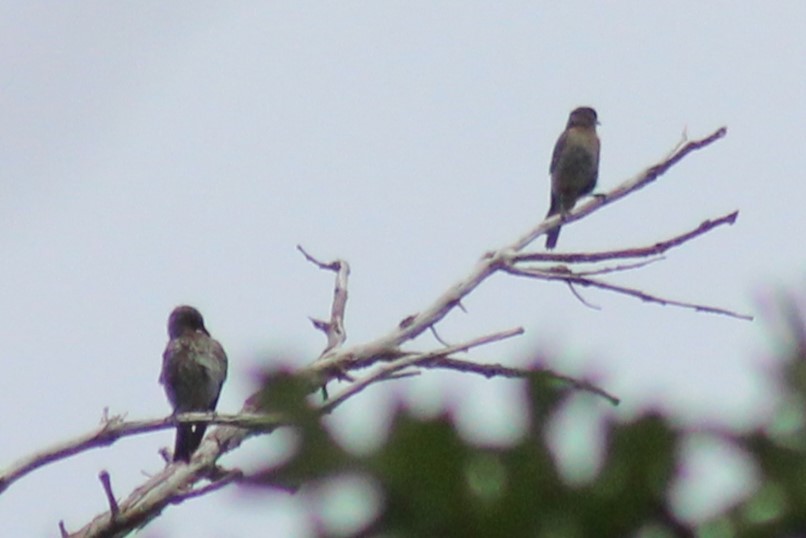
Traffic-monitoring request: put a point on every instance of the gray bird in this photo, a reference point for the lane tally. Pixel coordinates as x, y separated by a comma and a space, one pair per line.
574, 165
194, 367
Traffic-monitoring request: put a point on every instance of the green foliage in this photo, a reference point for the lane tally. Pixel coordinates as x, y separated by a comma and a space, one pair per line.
432, 482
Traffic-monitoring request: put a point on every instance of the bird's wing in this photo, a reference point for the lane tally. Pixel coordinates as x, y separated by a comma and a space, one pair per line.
167, 358
597, 145
220, 359
217, 369
558, 149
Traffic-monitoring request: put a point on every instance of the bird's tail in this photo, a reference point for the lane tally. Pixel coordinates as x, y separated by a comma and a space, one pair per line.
551, 238
188, 439
553, 234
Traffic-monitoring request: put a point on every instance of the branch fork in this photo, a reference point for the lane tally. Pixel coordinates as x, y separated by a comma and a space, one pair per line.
386, 354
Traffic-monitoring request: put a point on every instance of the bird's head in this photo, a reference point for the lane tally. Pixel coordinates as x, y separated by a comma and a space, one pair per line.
185, 318
583, 116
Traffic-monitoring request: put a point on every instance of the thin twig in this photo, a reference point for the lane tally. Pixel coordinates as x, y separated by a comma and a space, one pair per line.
499, 370
332, 266
641, 180
638, 252
103, 476
654, 299
333, 329
585, 281
148, 500
581, 299
436, 335
619, 268
411, 360
227, 478
683, 140
603, 271
116, 429
364, 355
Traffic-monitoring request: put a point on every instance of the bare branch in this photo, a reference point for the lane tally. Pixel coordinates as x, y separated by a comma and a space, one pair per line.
225, 479
104, 435
332, 266
583, 278
572, 278
601, 271
413, 359
173, 484
366, 354
622, 267
654, 299
499, 370
333, 329
683, 140
176, 482
438, 337
110, 495
582, 299
641, 180
116, 428
638, 252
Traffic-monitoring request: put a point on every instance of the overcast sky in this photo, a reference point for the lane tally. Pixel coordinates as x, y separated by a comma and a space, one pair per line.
154, 154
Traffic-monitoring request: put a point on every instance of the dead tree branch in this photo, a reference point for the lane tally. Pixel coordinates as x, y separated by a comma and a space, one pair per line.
181, 481
628, 187
572, 278
414, 359
638, 252
116, 427
584, 277
499, 370
334, 328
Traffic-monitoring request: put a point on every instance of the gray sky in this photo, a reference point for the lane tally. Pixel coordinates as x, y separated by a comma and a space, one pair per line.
155, 154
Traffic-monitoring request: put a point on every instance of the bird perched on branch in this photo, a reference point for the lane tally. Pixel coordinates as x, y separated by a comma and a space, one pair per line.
194, 367
574, 165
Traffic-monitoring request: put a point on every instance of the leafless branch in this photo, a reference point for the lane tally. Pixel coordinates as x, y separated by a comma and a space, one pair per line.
638, 252
638, 182
499, 370
654, 299
583, 277
363, 355
106, 482
438, 337
414, 359
174, 482
219, 482
333, 329
620, 268
572, 278
116, 428
581, 299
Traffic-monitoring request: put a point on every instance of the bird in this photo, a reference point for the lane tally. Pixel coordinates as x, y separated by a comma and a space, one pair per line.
194, 367
574, 165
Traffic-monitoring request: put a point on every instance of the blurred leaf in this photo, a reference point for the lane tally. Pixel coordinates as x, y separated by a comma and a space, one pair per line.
317, 454
433, 483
